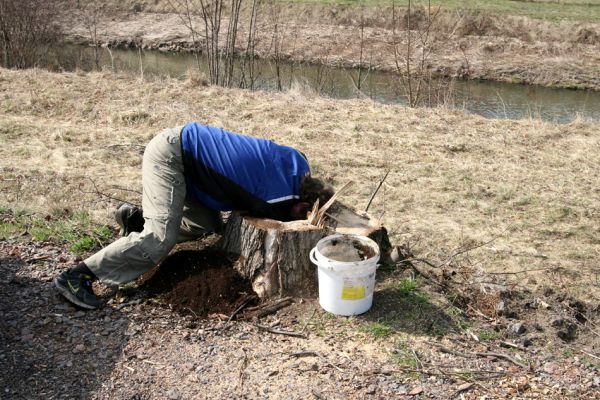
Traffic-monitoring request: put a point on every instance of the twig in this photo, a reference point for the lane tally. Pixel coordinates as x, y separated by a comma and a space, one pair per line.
316, 218
240, 308
308, 321
98, 192
463, 388
39, 258
521, 272
476, 311
584, 352
311, 353
266, 309
459, 374
467, 249
151, 362
192, 311
417, 358
377, 190
505, 357
446, 350
243, 368
512, 345
281, 332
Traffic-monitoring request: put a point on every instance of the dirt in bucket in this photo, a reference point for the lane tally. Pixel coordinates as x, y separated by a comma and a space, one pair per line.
198, 283
348, 250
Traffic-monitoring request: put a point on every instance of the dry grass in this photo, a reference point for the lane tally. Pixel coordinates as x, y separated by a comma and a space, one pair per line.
455, 178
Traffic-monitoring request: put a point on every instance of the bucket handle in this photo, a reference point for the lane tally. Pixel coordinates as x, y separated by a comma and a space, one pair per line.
312, 257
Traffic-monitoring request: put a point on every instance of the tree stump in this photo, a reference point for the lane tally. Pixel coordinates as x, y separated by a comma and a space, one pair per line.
274, 255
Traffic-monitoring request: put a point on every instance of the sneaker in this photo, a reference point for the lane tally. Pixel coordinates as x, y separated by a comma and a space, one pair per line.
129, 218
77, 288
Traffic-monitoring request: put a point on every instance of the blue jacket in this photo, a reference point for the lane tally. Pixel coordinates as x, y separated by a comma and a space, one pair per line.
227, 171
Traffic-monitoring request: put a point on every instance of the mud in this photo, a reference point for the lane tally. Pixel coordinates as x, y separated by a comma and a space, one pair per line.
348, 250
199, 283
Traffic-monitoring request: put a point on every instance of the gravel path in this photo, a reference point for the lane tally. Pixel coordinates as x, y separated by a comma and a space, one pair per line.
134, 348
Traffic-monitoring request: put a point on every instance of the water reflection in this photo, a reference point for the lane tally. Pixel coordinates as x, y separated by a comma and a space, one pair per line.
489, 99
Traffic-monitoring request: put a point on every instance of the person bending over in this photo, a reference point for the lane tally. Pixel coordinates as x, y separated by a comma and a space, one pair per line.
189, 175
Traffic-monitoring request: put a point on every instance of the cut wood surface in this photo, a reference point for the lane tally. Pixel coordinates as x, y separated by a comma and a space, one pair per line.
274, 255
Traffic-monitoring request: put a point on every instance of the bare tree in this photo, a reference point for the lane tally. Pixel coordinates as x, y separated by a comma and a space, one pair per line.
248, 70
27, 29
411, 57
92, 13
220, 56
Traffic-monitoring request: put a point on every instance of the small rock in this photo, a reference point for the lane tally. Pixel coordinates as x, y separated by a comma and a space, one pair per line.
371, 389
416, 391
173, 394
78, 349
500, 307
526, 342
518, 328
558, 322
550, 367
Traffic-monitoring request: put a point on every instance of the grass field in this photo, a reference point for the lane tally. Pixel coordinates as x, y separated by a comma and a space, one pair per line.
574, 10
524, 193
552, 10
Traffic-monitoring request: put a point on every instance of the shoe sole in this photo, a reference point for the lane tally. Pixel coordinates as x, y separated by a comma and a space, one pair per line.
119, 219
69, 296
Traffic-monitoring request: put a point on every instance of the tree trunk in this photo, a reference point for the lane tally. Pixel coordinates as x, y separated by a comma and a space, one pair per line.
274, 255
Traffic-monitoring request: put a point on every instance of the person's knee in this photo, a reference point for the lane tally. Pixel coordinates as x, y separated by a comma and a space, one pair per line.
156, 247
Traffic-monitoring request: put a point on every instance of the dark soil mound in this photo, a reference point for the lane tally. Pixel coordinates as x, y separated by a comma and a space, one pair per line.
198, 283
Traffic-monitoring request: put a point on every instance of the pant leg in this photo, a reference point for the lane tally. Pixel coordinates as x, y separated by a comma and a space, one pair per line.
162, 201
198, 221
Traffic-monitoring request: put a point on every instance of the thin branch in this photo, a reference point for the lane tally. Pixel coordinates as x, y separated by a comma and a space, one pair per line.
522, 271
311, 353
377, 190
505, 357
99, 193
281, 332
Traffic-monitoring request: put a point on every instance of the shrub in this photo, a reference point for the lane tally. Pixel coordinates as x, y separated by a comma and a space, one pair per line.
27, 27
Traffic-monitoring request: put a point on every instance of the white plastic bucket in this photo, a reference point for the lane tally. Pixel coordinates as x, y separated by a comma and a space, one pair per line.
346, 265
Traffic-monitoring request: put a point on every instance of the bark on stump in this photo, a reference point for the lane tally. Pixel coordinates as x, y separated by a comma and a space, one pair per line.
274, 255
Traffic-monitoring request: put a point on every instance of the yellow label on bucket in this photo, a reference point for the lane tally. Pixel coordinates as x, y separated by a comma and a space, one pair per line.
353, 292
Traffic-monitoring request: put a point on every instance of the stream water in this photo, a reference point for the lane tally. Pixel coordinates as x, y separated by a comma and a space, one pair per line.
489, 99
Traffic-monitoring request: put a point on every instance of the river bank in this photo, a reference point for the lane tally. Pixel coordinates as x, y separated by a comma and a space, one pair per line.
461, 46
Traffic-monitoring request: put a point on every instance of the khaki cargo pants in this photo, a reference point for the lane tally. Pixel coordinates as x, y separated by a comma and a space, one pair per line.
169, 217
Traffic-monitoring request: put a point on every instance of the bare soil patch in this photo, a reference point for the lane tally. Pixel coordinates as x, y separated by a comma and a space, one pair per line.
198, 282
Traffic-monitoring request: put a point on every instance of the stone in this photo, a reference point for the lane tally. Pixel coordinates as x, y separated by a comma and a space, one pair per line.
78, 349
550, 367
416, 391
518, 328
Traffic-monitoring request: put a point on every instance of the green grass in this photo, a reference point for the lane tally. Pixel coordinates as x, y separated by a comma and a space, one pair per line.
379, 330
404, 356
410, 293
488, 335
77, 230
575, 10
